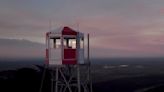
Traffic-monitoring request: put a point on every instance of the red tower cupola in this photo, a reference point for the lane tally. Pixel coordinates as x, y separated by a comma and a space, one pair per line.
64, 46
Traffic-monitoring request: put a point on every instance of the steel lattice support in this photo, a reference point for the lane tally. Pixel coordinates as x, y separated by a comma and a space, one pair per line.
70, 78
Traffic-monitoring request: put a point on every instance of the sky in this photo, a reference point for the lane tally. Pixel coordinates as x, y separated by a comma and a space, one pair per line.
118, 28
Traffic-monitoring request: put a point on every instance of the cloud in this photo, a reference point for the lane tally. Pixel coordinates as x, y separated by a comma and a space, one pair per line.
113, 36
117, 27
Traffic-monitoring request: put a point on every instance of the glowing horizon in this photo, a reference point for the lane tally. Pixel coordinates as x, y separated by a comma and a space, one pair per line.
118, 28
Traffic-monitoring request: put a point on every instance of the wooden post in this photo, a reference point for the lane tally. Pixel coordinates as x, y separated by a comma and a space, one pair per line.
78, 78
89, 64
57, 75
88, 49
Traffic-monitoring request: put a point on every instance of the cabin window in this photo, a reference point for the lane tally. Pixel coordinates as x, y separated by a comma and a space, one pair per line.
58, 43
69, 43
72, 43
81, 43
55, 43
51, 43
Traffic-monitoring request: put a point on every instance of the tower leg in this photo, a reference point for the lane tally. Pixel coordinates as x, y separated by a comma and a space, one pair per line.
43, 77
71, 79
90, 79
56, 83
78, 78
52, 81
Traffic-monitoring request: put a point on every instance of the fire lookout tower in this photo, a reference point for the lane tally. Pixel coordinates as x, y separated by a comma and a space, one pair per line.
65, 58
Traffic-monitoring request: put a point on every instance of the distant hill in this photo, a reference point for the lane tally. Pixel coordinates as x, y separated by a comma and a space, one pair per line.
15, 48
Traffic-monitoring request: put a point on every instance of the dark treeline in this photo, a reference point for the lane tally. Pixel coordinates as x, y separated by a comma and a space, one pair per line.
29, 80
23, 80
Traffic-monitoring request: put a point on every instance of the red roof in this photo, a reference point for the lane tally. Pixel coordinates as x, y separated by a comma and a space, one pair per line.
68, 31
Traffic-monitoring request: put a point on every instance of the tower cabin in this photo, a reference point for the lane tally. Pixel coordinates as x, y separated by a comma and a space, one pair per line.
64, 46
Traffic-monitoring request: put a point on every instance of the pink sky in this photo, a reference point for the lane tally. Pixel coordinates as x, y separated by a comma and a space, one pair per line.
118, 28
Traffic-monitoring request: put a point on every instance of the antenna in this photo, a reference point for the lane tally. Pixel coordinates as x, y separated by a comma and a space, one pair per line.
50, 25
78, 26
